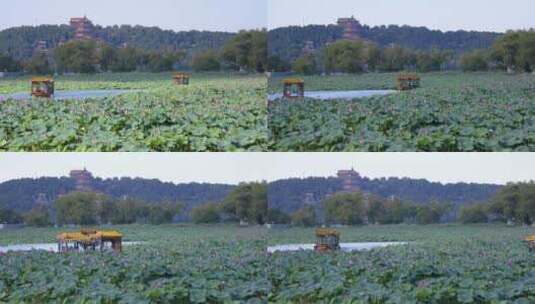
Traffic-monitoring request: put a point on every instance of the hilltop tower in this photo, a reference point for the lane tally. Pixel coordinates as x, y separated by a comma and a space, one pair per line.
309, 199
83, 28
350, 180
308, 48
352, 28
41, 47
83, 180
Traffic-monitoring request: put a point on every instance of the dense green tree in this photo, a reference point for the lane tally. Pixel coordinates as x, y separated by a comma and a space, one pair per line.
305, 65
345, 56
397, 58
396, 212
304, 217
526, 56
108, 57
8, 216
434, 60
78, 208
515, 51
515, 202
209, 213
506, 50
38, 217
373, 56
77, 56
276, 216
474, 61
431, 213
125, 60
473, 214
376, 209
8, 64
248, 202
276, 64
161, 62
163, 213
345, 208
246, 51
206, 61
128, 210
38, 65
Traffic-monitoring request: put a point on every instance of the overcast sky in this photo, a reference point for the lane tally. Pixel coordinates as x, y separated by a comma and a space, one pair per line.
215, 15
233, 168
494, 15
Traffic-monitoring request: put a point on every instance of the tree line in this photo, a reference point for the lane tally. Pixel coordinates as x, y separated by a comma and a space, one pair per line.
346, 56
359, 208
91, 208
514, 204
287, 42
248, 202
21, 195
512, 52
289, 195
245, 203
246, 51
20, 42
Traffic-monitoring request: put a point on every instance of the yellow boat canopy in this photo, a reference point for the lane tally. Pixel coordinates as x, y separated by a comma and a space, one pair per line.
83, 236
293, 81
323, 232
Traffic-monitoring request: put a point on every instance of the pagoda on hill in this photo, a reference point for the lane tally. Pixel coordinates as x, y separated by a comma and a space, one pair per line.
352, 28
83, 180
350, 180
83, 28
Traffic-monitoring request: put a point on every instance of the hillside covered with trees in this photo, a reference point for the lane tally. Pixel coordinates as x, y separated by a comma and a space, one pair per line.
23, 194
290, 195
20, 42
288, 42
128, 49
245, 203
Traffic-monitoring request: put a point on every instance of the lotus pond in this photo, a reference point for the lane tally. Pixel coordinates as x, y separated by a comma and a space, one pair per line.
228, 264
451, 112
441, 264
216, 112
174, 264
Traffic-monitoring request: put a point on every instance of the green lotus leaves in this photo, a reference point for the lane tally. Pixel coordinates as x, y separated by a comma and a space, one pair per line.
208, 115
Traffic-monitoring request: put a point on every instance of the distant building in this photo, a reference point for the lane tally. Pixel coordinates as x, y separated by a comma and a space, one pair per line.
41, 47
83, 180
309, 199
352, 28
83, 28
42, 200
350, 180
309, 47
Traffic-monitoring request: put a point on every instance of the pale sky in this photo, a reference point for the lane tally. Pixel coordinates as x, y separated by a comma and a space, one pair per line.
232, 168
213, 15
485, 15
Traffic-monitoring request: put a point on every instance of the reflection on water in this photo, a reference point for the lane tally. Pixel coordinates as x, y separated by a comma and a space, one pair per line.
326, 95
63, 95
343, 246
51, 247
